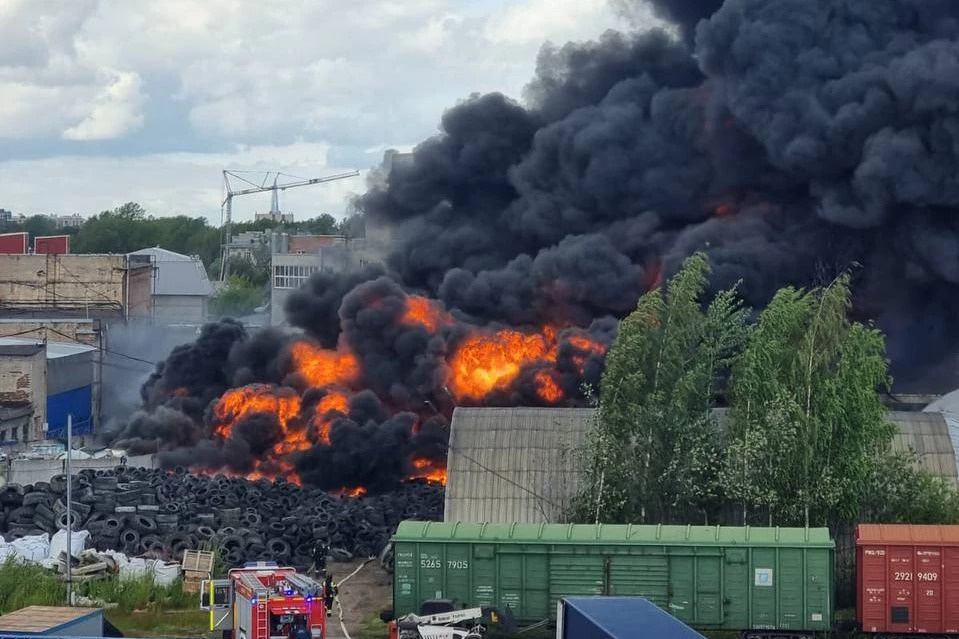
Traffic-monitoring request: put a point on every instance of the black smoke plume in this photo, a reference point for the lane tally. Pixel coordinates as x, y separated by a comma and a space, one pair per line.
788, 139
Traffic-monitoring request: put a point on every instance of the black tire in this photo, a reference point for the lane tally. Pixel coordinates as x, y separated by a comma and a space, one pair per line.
129, 537
278, 546
145, 524
340, 554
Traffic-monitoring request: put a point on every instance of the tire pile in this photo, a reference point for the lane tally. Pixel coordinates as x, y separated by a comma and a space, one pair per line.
159, 514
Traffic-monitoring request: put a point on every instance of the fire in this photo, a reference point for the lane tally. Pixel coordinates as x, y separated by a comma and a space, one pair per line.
334, 404
239, 403
323, 367
483, 362
547, 388
486, 362
359, 491
426, 469
283, 403
586, 346
426, 313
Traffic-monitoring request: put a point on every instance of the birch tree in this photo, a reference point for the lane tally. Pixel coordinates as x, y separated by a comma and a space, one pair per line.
807, 426
653, 451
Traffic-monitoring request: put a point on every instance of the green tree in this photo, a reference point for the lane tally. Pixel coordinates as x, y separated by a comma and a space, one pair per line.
238, 297
807, 427
653, 450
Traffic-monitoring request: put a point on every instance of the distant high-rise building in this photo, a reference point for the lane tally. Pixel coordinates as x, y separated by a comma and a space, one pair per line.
6, 216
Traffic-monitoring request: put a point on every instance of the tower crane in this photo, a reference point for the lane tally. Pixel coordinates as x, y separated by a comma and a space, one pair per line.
226, 207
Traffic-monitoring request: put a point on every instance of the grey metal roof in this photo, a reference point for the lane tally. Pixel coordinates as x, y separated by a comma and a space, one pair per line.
19, 350
513, 464
177, 274
522, 464
54, 349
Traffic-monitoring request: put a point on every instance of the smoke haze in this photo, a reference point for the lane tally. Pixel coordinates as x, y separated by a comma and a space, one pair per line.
788, 139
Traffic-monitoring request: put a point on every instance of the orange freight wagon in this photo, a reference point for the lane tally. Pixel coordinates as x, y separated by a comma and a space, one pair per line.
908, 579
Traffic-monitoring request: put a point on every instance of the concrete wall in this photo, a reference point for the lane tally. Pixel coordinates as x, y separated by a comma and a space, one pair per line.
23, 379
81, 331
30, 471
100, 285
180, 309
140, 292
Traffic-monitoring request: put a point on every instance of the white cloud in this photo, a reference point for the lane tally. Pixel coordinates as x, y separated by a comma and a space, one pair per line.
526, 23
113, 113
175, 183
346, 76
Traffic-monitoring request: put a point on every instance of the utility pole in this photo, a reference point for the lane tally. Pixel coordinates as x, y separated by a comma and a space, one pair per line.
69, 510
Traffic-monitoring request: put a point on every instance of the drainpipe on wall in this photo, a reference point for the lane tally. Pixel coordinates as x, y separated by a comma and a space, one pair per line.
126, 289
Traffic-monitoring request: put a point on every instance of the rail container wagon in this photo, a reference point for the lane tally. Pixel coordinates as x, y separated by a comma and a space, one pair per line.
763, 582
907, 579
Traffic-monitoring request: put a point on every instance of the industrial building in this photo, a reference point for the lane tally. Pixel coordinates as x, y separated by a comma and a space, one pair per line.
297, 257
40, 385
89, 286
522, 464
180, 288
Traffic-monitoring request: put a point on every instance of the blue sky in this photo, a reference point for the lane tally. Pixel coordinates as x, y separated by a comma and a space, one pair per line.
107, 101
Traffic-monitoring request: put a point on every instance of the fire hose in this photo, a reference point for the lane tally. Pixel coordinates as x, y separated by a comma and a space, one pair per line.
336, 597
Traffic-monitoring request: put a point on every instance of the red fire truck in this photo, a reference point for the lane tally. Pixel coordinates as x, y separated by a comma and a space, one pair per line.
264, 601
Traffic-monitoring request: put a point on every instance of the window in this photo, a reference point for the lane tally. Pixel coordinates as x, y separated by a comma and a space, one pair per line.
3, 435
292, 276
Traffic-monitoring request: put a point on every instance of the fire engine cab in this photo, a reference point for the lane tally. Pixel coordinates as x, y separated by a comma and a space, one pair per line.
263, 601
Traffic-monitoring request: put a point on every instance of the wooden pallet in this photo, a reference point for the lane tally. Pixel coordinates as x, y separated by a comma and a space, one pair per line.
197, 561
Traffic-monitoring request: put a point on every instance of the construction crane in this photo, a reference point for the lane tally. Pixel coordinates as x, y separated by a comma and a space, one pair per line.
270, 182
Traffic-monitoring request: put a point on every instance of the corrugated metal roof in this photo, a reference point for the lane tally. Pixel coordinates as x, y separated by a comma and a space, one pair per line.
177, 274
54, 349
929, 435
906, 534
513, 464
522, 464
612, 533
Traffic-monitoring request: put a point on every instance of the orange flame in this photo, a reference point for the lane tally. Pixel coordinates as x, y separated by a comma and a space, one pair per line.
426, 469
240, 403
333, 405
487, 362
426, 313
323, 367
359, 491
587, 346
547, 388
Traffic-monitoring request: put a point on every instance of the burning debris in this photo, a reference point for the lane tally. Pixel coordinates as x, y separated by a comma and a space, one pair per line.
788, 140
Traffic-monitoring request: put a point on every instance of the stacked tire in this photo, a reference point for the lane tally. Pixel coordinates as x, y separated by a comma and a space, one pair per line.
158, 513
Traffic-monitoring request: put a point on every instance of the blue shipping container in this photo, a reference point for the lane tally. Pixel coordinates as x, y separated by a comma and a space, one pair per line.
79, 403
617, 618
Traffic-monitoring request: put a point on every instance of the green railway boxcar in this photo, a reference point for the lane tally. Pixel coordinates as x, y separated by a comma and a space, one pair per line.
710, 577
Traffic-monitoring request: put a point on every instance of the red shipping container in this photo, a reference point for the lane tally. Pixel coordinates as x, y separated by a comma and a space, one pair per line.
13, 243
51, 245
907, 579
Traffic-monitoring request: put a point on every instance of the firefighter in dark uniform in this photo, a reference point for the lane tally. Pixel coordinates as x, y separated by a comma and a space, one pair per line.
320, 552
329, 593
